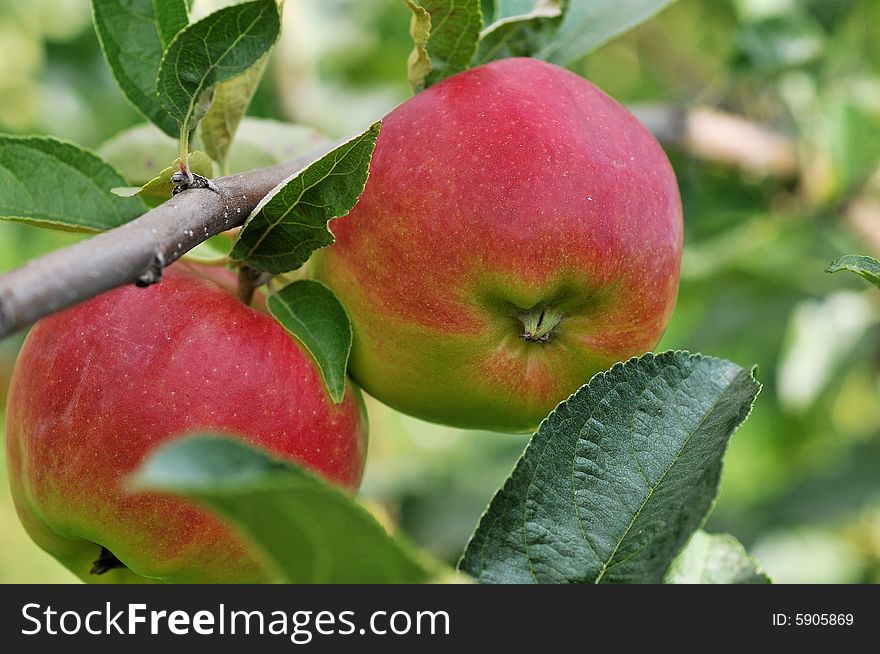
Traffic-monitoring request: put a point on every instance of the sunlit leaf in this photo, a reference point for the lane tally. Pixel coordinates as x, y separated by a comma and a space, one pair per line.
715, 559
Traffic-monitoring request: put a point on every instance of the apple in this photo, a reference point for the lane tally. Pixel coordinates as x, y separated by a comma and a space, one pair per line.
520, 231
99, 385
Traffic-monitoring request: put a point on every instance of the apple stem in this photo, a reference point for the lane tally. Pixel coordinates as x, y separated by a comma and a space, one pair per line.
105, 562
183, 157
249, 279
539, 323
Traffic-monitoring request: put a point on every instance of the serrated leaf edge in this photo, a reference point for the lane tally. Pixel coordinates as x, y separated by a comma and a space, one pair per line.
620, 364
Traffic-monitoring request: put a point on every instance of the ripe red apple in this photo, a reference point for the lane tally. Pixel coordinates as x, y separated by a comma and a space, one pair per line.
97, 386
519, 232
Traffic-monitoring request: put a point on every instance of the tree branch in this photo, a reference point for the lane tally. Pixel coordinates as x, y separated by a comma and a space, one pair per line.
722, 137
137, 252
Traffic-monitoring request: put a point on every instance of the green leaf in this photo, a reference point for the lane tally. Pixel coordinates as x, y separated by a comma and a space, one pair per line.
308, 530
231, 100
52, 183
159, 188
715, 559
217, 48
867, 267
854, 141
587, 24
418, 66
292, 221
138, 152
489, 10
261, 142
310, 311
520, 35
508, 8
617, 477
452, 43
211, 251
133, 36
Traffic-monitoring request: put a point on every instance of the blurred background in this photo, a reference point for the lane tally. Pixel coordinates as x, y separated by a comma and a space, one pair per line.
770, 112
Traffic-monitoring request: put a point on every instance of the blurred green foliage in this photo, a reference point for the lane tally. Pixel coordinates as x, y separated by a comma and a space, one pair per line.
801, 486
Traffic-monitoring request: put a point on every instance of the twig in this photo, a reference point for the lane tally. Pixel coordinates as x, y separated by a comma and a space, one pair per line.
137, 252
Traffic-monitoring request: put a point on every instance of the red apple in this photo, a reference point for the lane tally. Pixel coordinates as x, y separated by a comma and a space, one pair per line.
97, 386
520, 231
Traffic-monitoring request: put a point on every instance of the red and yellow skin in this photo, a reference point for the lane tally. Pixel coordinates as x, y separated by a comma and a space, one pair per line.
97, 386
510, 190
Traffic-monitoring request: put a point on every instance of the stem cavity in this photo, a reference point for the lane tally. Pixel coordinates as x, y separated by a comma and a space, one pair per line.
539, 324
105, 562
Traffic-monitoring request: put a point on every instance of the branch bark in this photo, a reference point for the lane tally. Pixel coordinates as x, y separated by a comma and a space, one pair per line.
722, 137
137, 252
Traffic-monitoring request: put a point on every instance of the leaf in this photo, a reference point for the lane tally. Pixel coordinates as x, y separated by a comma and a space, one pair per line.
509, 8
822, 339
308, 530
217, 48
211, 251
418, 66
52, 183
489, 10
159, 189
292, 221
520, 35
715, 559
310, 311
617, 477
590, 23
867, 267
138, 152
454, 33
231, 100
261, 142
854, 141
133, 36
